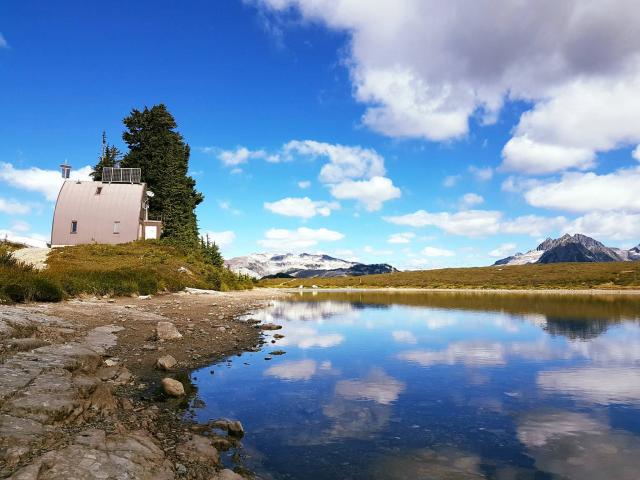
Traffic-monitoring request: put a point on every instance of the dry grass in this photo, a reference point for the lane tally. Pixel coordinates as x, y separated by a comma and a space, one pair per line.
133, 268
613, 275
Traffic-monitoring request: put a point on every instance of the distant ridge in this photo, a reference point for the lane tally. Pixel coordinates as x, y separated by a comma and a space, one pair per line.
301, 265
572, 248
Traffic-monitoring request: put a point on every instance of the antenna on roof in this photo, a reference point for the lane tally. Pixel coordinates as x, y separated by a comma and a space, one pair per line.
104, 144
66, 170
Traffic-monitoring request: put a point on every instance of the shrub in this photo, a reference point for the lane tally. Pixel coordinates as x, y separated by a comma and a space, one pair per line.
45, 290
15, 292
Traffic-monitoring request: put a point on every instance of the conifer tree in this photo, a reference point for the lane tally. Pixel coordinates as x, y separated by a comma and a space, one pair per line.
109, 156
156, 147
211, 252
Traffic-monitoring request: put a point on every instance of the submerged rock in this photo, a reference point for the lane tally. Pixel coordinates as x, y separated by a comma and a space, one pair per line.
172, 387
232, 427
227, 474
167, 362
199, 449
167, 331
270, 326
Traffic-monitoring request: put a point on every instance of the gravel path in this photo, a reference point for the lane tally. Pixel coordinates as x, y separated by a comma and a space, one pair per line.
37, 257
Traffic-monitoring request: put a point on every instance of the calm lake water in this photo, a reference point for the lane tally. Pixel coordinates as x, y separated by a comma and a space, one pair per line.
438, 386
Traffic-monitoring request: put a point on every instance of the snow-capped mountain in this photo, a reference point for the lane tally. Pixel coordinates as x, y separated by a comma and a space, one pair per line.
302, 265
572, 248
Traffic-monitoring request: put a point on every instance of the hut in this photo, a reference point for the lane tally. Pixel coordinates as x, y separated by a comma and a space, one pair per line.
114, 210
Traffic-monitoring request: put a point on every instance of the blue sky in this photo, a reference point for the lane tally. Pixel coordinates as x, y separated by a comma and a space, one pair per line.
411, 134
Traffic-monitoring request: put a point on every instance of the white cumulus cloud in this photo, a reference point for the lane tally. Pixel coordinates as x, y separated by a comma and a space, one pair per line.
469, 200
437, 252
13, 207
233, 158
301, 207
345, 162
479, 223
32, 240
588, 192
576, 62
404, 237
482, 174
370, 193
33, 179
504, 250
607, 225
303, 237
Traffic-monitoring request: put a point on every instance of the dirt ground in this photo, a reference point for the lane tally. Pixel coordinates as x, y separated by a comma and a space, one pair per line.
81, 394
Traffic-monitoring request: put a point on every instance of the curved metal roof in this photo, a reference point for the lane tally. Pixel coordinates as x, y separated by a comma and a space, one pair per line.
96, 214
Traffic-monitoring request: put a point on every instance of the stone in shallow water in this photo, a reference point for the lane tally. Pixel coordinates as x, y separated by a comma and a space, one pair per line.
172, 387
233, 427
198, 448
270, 326
227, 474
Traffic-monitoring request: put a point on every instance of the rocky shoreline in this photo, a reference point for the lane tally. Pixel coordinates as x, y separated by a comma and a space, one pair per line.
81, 388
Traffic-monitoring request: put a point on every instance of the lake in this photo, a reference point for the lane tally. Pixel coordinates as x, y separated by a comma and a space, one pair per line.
437, 386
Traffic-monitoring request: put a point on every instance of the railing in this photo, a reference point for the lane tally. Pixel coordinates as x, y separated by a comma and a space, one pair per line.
121, 175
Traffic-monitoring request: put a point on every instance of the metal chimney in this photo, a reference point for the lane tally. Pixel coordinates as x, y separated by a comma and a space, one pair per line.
66, 170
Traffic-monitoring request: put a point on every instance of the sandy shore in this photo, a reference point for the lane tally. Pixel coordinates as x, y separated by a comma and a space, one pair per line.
80, 392
466, 290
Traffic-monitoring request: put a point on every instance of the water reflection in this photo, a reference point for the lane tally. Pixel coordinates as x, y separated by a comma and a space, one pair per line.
439, 386
293, 370
594, 384
576, 446
377, 386
445, 464
468, 353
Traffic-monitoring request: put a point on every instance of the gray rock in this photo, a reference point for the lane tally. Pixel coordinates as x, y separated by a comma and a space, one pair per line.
94, 455
232, 427
270, 326
167, 331
166, 362
199, 449
227, 474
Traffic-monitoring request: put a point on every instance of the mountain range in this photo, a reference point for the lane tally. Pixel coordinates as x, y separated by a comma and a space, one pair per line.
301, 265
572, 248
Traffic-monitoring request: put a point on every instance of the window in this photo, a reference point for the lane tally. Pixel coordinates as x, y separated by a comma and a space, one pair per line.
98, 190
74, 226
116, 227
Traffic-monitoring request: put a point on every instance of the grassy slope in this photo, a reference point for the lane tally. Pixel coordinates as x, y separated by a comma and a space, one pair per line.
138, 267
614, 275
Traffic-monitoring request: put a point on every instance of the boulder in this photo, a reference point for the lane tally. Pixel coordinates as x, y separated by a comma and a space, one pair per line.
232, 427
199, 449
172, 387
167, 331
227, 474
167, 362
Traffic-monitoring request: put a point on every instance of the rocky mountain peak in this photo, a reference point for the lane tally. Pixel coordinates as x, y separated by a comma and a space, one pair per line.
572, 248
